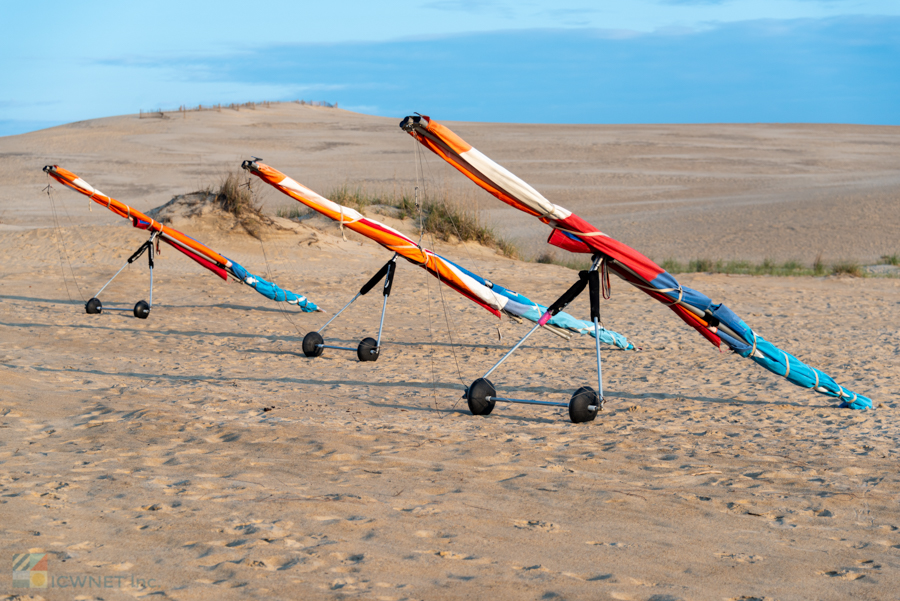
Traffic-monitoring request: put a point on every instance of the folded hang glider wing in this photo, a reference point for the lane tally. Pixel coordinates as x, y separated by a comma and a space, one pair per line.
489, 295
717, 323
205, 256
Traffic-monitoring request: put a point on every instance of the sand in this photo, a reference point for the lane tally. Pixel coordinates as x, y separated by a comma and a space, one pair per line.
198, 455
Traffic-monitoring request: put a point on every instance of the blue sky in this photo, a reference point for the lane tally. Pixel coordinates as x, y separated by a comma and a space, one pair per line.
644, 61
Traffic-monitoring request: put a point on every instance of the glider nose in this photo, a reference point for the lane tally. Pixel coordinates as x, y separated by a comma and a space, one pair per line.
409, 123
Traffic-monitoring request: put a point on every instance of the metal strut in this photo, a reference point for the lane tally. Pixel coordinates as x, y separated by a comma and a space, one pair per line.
95, 306
584, 404
368, 349
366, 288
134, 257
386, 291
561, 303
594, 289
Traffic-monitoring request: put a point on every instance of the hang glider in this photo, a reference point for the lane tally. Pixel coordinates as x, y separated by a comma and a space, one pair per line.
716, 322
205, 256
491, 296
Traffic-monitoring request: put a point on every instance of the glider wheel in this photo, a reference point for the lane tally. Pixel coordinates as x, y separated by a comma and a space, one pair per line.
141, 310
93, 306
583, 398
311, 344
476, 397
368, 350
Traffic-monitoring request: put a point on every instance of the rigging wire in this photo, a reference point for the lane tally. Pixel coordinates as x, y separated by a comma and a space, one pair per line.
262, 246
417, 159
427, 279
436, 272
278, 304
431, 331
426, 163
447, 320
419, 207
61, 247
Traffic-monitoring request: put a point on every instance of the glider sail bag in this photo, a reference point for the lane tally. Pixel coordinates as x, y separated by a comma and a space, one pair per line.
716, 322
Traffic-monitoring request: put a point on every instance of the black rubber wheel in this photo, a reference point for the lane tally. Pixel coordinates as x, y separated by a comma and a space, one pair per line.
141, 310
368, 350
311, 344
583, 398
476, 397
93, 306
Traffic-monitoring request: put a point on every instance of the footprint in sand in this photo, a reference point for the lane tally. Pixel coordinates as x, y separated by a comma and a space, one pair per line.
740, 557
843, 574
419, 510
452, 555
599, 543
348, 563
537, 525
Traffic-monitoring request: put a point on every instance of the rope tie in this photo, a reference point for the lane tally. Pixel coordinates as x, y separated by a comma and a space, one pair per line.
589, 234
341, 223
787, 364
753, 350
680, 291
816, 374
843, 394
604, 279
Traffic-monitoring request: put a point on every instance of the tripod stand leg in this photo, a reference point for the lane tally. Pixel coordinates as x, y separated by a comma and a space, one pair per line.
594, 289
369, 350
314, 343
142, 308
94, 306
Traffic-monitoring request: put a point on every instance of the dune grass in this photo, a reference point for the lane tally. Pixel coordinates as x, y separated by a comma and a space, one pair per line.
183, 110
451, 220
294, 212
234, 196
572, 261
767, 267
443, 217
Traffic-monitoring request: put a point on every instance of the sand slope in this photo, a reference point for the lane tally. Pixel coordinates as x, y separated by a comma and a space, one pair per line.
756, 191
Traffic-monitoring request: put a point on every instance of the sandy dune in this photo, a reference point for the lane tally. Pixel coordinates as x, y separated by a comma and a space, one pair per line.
785, 192
200, 452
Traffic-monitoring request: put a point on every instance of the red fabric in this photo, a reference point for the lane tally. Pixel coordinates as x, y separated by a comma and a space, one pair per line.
560, 240
613, 249
213, 267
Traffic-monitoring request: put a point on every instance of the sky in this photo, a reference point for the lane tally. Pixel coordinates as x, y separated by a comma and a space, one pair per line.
562, 61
